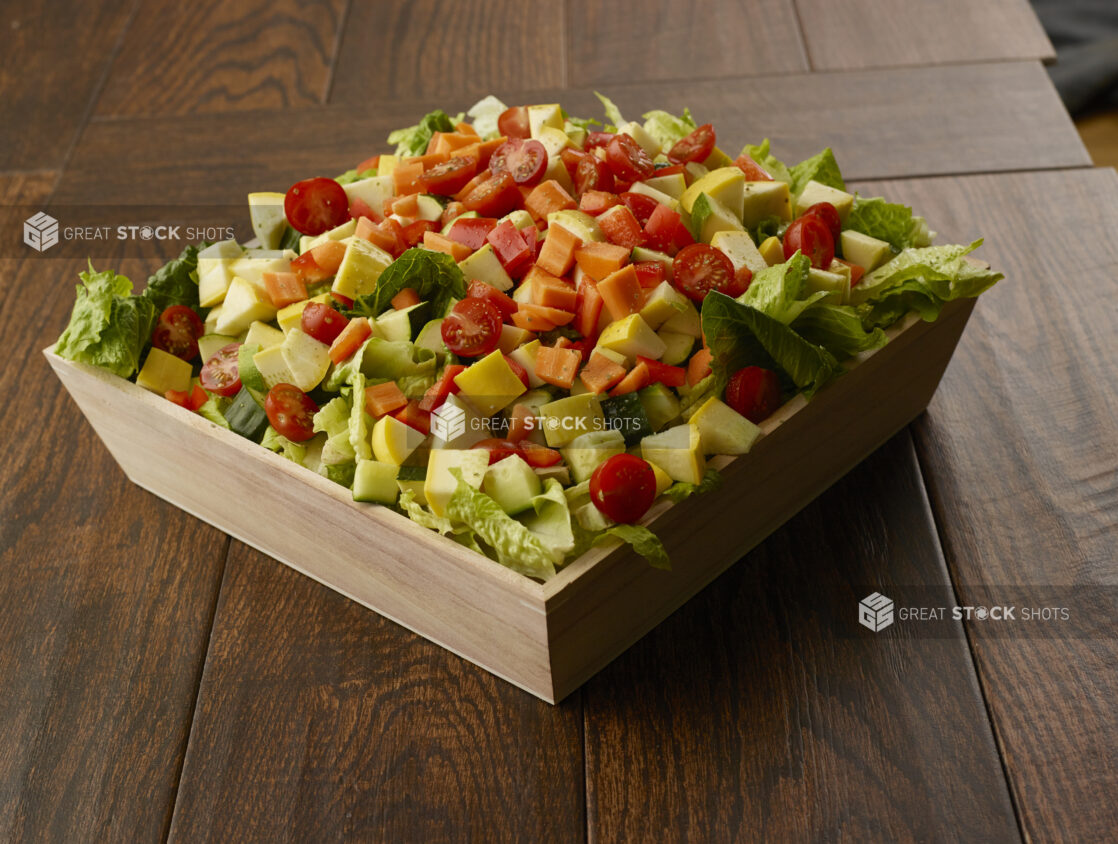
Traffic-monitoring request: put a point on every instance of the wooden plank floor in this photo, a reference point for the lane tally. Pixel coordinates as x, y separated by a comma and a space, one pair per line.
164, 682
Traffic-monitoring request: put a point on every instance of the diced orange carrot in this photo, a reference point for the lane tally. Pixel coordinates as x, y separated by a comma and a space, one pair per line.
465, 129
405, 206
452, 211
531, 321
486, 149
355, 333
366, 230
479, 179
428, 160
600, 259
445, 143
635, 380
407, 176
549, 291
601, 373
405, 299
284, 288
558, 253
698, 367
522, 422
622, 292
547, 197
558, 366
553, 315
441, 243
382, 399
588, 307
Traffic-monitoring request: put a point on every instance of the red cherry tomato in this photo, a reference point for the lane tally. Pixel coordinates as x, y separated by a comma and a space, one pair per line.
291, 412
754, 393
322, 322
451, 176
314, 206
518, 370
494, 197
623, 488
642, 206
498, 449
513, 122
826, 212
627, 160
695, 147
743, 277
221, 374
472, 328
177, 332
699, 269
810, 236
487, 292
597, 139
752, 169
592, 174
524, 160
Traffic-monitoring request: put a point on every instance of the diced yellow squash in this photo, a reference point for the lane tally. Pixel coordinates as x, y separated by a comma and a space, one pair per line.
244, 304
263, 335
772, 250
306, 358
765, 199
632, 336
272, 366
361, 267
162, 371
815, 192
484, 265
490, 385
441, 484
566, 418
739, 247
393, 441
722, 429
678, 451
725, 185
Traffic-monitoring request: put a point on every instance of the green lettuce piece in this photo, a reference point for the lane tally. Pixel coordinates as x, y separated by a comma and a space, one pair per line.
692, 398
484, 114
768, 227
767, 161
360, 423
550, 519
643, 541
214, 409
698, 216
109, 327
889, 221
332, 417
341, 473
353, 176
433, 275
382, 360
514, 544
176, 282
678, 491
777, 290
822, 168
740, 335
277, 442
413, 140
839, 329
666, 128
421, 515
613, 113
585, 123
416, 386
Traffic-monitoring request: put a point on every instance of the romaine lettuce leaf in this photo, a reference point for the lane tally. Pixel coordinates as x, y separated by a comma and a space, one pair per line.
413, 140
109, 327
175, 283
888, 221
383, 360
822, 168
214, 409
666, 128
767, 161
740, 335
359, 420
340, 473
777, 290
421, 515
550, 519
433, 275
352, 176
484, 114
515, 546
613, 113
838, 329
678, 491
275, 441
643, 541
332, 417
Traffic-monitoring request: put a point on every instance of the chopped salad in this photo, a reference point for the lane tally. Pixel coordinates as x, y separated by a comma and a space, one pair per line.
520, 328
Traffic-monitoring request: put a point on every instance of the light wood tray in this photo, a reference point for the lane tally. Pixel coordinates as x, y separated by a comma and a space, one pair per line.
546, 638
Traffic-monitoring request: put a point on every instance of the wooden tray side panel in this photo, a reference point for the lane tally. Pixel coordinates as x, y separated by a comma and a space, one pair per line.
413, 576
612, 604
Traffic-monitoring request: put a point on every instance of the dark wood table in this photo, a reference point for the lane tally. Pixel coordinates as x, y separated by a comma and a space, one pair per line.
158, 680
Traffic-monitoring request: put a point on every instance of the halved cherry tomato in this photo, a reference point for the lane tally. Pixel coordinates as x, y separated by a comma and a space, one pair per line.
487, 292
451, 176
754, 393
221, 373
494, 197
319, 263
191, 401
471, 231
436, 394
472, 328
524, 160
810, 236
753, 171
642, 206
670, 170
597, 139
623, 488
826, 212
291, 412
627, 160
518, 370
571, 156
695, 147
322, 322
177, 332
592, 174
513, 122
699, 269
343, 301
314, 206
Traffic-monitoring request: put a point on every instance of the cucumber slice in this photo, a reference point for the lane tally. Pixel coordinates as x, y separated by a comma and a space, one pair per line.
246, 417
375, 482
404, 324
627, 415
660, 405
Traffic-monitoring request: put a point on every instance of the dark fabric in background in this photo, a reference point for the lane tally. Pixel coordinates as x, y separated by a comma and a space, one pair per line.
1085, 35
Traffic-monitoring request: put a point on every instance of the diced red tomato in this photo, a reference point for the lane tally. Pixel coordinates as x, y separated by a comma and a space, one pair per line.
662, 229
620, 226
471, 231
436, 394
415, 416
413, 232
754, 393
368, 164
487, 292
495, 197
856, 271
191, 400
538, 456
359, 208
642, 206
649, 273
291, 412
743, 277
510, 248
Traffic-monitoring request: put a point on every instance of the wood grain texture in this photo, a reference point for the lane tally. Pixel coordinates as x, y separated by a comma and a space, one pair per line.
19, 193
889, 33
658, 39
762, 711
56, 54
404, 49
192, 58
1020, 450
985, 118
320, 721
105, 607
